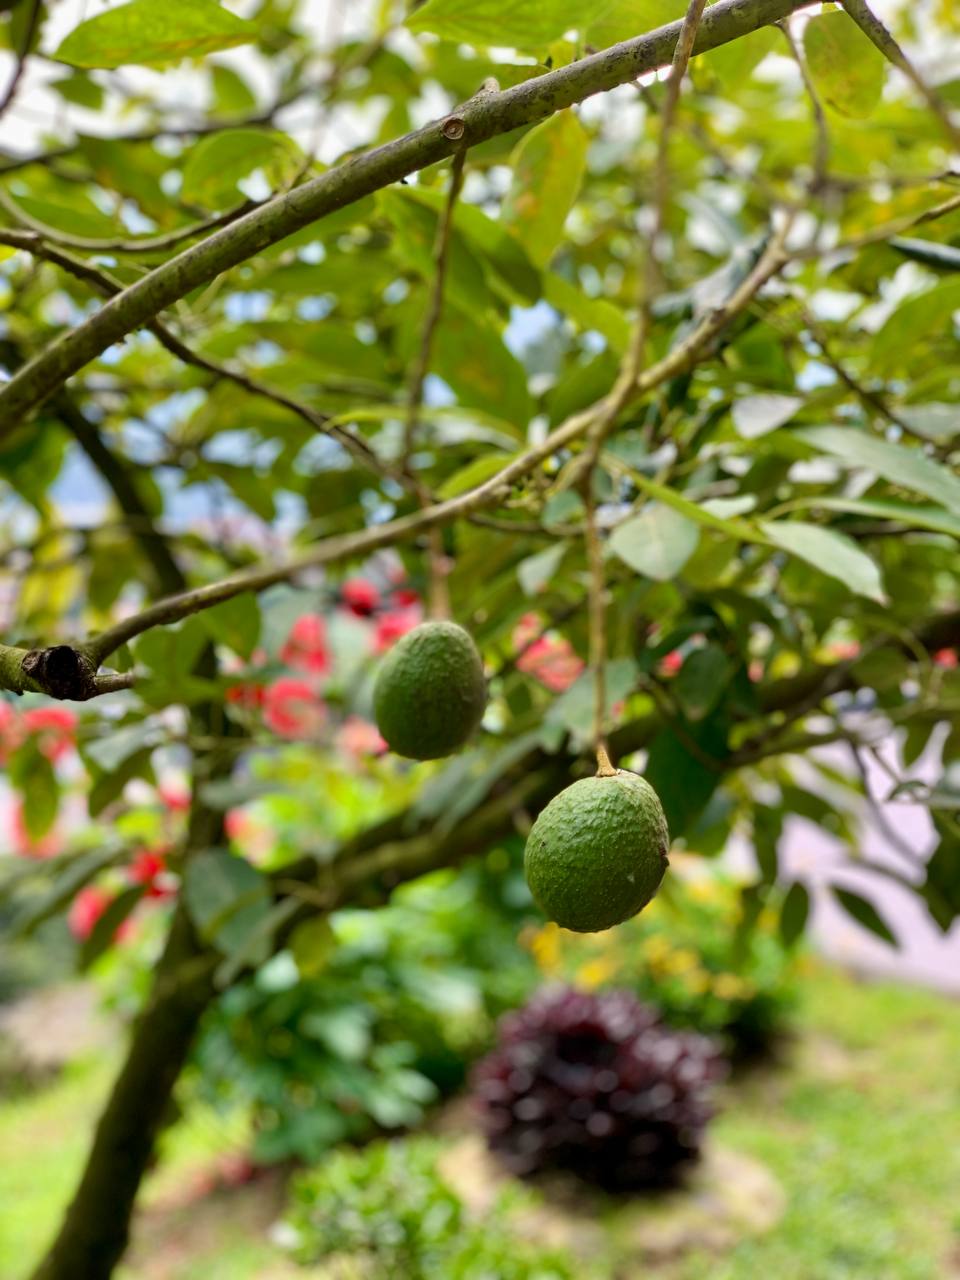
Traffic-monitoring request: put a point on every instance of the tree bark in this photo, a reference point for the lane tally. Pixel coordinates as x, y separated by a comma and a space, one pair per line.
95, 1230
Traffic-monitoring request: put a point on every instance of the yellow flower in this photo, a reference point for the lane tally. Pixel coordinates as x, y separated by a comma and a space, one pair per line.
729, 986
682, 960
545, 945
697, 982
595, 972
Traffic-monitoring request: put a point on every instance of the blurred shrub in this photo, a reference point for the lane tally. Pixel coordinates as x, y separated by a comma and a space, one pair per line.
597, 1085
707, 953
401, 1000
385, 1212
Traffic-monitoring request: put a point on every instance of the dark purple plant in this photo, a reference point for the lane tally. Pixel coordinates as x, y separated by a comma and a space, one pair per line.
598, 1085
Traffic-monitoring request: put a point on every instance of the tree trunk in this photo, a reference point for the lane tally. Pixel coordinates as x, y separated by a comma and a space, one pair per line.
96, 1228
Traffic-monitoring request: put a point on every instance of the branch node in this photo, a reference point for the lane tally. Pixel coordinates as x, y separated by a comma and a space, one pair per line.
454, 127
62, 672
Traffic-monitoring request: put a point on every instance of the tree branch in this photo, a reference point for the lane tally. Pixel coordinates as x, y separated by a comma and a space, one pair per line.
483, 117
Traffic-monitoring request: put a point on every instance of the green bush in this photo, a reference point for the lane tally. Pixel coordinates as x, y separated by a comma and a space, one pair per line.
385, 1212
406, 998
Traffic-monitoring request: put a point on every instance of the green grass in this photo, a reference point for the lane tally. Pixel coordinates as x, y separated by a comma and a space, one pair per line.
860, 1124
861, 1127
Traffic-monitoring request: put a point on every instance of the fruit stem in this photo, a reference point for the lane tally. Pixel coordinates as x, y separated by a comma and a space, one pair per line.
598, 623
439, 596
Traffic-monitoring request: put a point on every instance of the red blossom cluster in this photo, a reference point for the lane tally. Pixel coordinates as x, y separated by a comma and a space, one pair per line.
293, 705
149, 868
548, 657
53, 728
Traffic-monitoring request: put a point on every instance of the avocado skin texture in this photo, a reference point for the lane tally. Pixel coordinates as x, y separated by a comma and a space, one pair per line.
430, 692
597, 853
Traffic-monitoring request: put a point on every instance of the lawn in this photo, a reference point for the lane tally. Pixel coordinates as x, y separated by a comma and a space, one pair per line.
859, 1124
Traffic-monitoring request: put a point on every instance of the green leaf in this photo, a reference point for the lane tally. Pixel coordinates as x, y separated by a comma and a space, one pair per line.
104, 931
701, 681
755, 416
846, 68
942, 257
865, 913
235, 623
110, 750
76, 872
933, 518
80, 90
470, 355
616, 20
548, 166
312, 943
657, 543
501, 22
214, 167
148, 33
573, 710
536, 571
915, 319
901, 465
499, 251
830, 552
414, 224
941, 888
34, 776
794, 913
588, 314
228, 900
231, 93
685, 781
935, 421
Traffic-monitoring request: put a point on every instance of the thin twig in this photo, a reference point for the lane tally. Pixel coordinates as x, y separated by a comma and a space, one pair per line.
142, 244
23, 55
598, 627
439, 593
822, 152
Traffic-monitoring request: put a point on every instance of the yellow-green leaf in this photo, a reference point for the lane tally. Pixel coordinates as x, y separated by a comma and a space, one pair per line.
846, 69
548, 166
217, 164
149, 32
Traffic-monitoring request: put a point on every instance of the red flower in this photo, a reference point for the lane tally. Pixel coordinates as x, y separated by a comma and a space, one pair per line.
844, 649
149, 867
360, 596
946, 658
394, 624
249, 696
358, 737
306, 647
553, 662
670, 663
293, 709
405, 598
85, 910
173, 797
24, 843
55, 729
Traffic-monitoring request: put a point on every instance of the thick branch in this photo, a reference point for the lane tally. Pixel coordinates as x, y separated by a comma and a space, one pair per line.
484, 117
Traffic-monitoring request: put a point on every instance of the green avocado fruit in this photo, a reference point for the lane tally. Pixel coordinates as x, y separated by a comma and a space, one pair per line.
430, 691
597, 853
